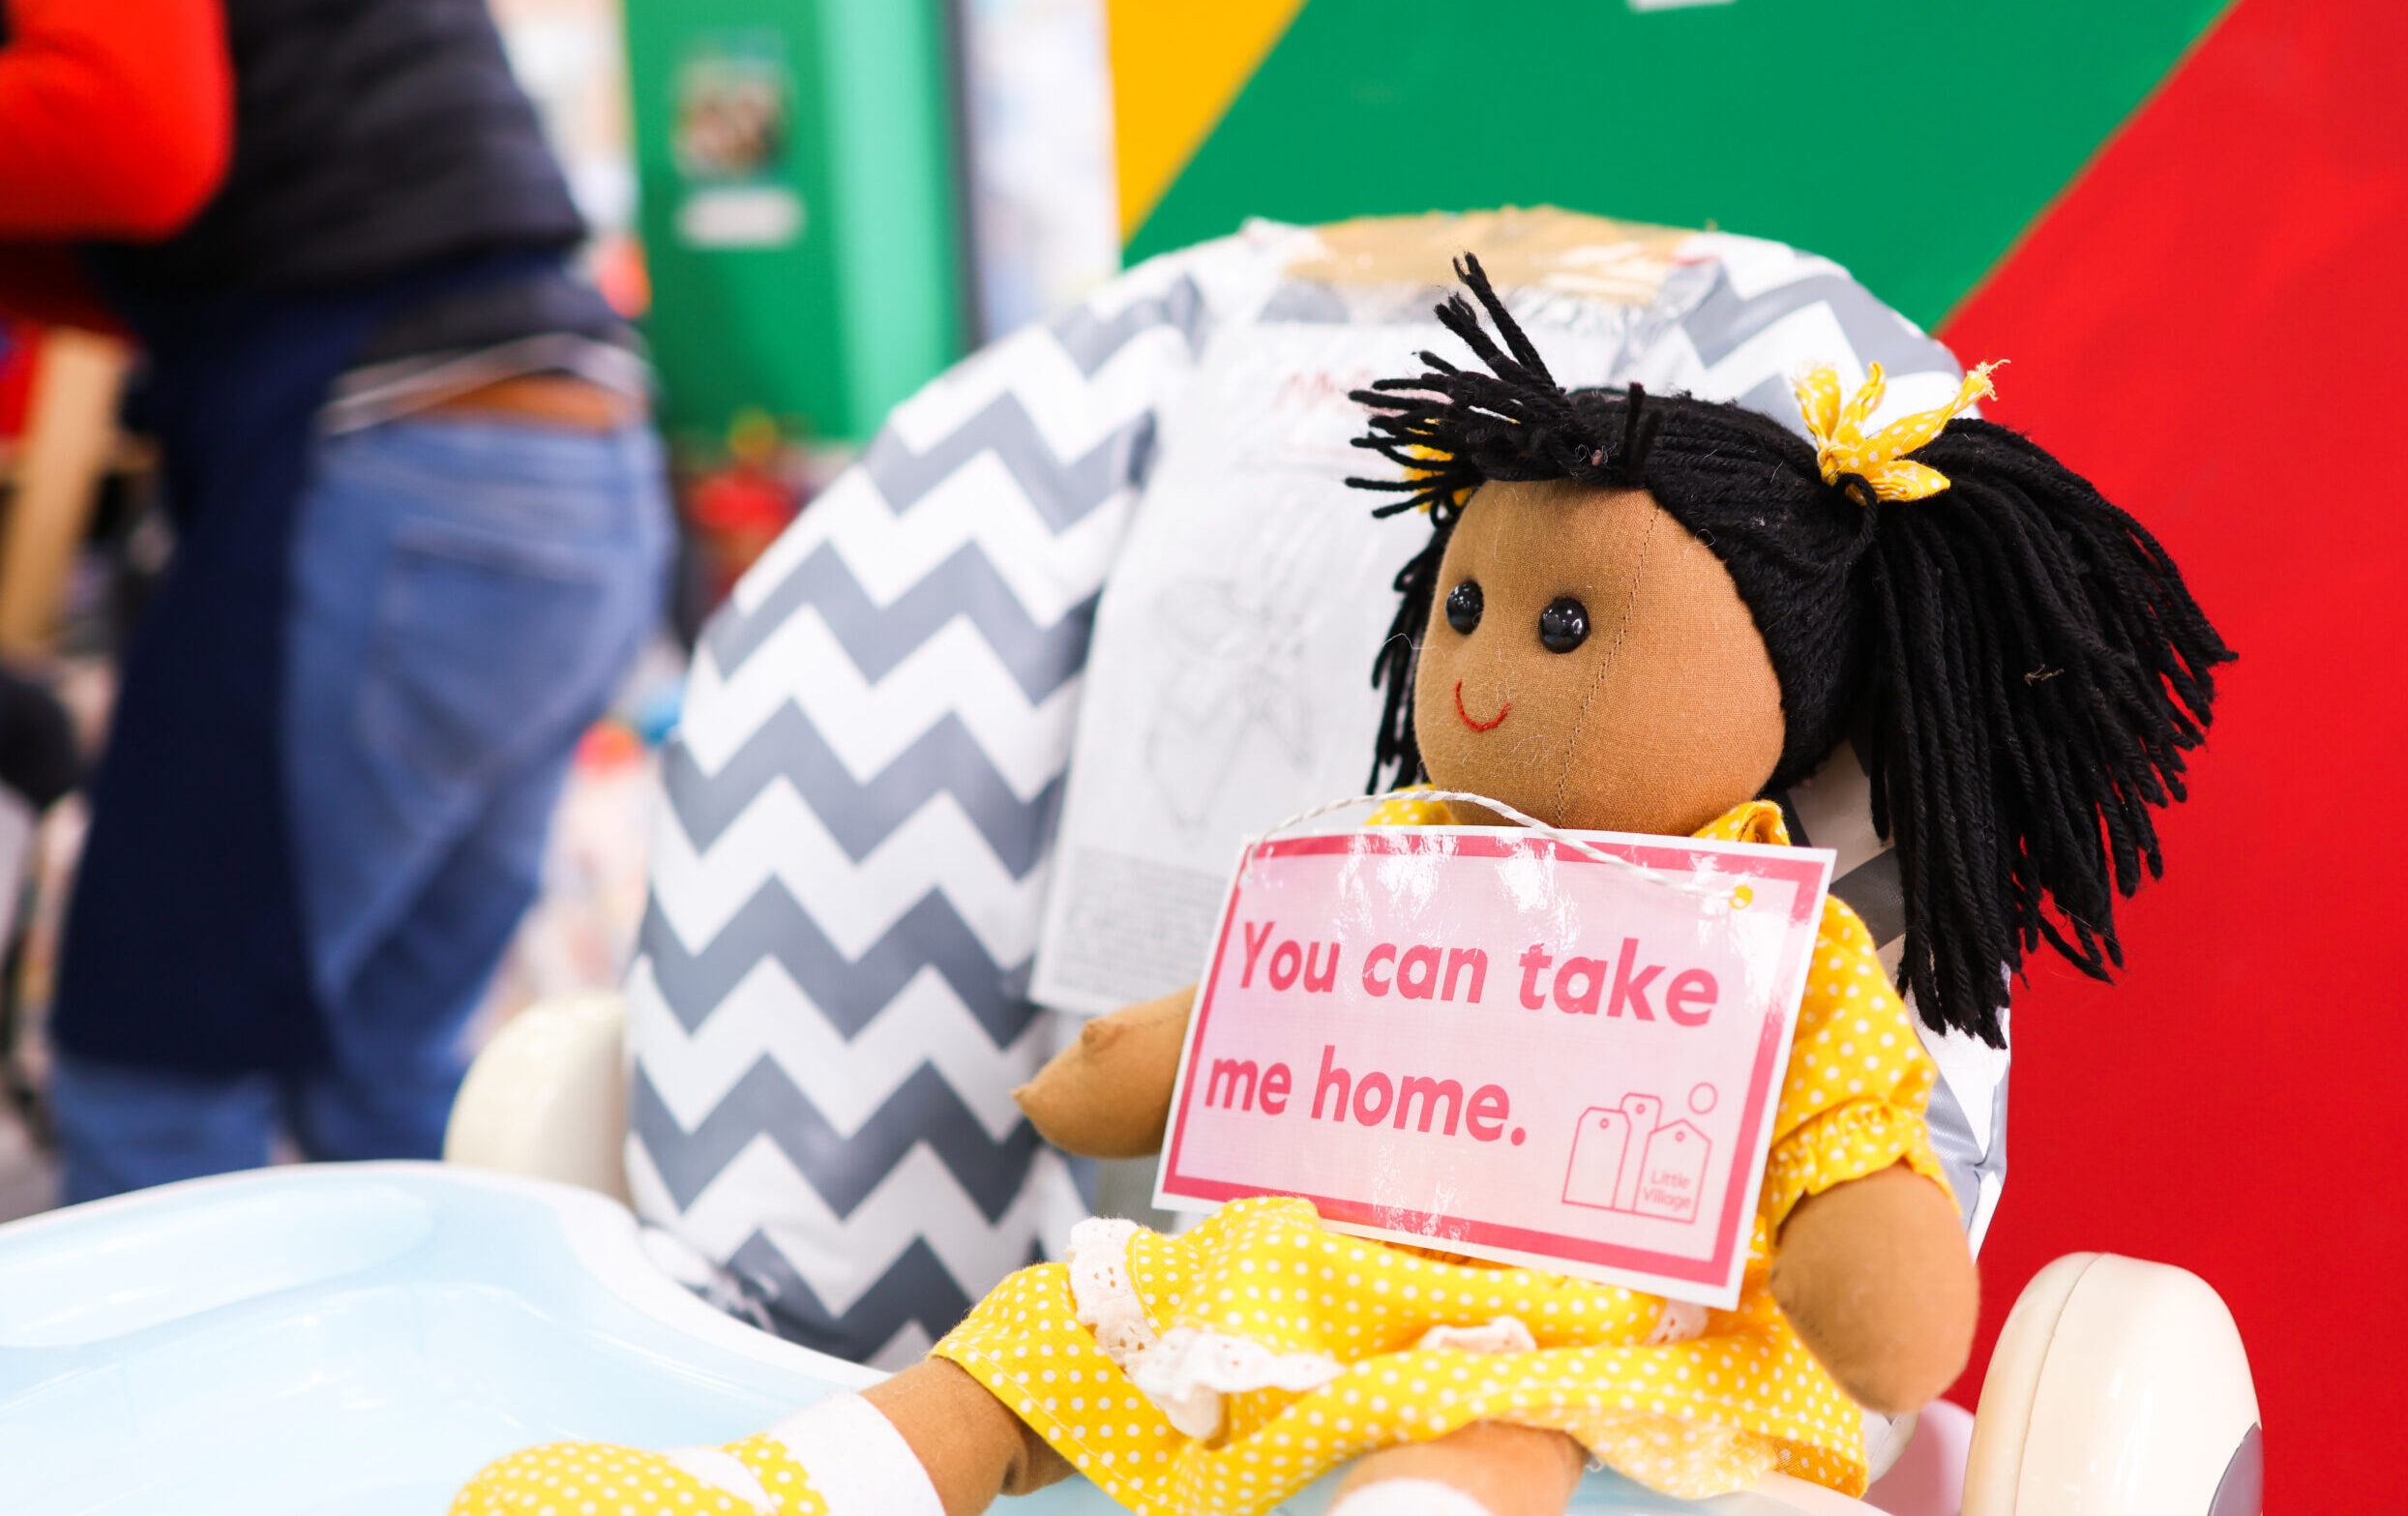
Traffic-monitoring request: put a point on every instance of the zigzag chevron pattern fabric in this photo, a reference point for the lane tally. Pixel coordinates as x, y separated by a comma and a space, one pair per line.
823, 1007
828, 1005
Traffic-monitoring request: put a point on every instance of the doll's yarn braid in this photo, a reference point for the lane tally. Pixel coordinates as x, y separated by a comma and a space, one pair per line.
2020, 658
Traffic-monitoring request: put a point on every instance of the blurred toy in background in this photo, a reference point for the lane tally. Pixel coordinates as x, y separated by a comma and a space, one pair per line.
737, 509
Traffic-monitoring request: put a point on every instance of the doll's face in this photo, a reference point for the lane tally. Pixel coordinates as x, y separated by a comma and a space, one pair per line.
1590, 663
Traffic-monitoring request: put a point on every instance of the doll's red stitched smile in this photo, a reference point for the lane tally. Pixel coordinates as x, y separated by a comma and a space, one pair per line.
1491, 724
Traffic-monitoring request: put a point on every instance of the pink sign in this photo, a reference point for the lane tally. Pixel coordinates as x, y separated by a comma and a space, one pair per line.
1481, 1039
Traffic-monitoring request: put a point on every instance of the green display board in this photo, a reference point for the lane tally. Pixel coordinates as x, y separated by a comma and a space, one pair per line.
1910, 140
796, 167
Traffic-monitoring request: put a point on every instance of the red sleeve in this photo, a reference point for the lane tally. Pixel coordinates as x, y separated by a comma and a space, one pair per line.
116, 116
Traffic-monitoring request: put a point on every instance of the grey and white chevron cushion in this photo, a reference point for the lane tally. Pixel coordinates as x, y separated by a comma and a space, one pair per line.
826, 1017
828, 1007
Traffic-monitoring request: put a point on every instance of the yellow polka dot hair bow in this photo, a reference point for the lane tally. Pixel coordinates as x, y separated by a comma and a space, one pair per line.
1880, 459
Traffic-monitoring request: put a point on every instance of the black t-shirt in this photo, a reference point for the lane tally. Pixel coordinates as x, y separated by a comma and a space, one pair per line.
371, 138
375, 140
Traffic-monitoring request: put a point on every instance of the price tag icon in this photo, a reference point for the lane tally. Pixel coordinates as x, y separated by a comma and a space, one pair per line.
1627, 1158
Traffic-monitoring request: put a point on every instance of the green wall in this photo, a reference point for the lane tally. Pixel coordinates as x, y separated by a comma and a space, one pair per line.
1909, 140
829, 328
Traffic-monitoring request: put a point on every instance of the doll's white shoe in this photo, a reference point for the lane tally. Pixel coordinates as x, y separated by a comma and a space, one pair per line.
1406, 1497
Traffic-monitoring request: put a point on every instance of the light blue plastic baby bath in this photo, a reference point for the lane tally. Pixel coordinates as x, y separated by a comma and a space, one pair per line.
359, 1339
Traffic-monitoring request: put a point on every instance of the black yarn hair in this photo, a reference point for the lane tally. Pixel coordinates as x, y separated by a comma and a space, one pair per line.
2019, 658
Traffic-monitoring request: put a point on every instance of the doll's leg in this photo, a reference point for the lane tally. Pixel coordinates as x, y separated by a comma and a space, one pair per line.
1488, 1469
970, 1444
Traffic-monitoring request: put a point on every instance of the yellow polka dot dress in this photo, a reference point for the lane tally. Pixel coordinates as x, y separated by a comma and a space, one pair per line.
758, 1476
1219, 1371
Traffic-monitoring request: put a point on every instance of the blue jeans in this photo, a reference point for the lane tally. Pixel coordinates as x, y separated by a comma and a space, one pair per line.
465, 596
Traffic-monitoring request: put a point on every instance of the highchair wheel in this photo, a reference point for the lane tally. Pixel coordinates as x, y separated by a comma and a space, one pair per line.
2117, 1389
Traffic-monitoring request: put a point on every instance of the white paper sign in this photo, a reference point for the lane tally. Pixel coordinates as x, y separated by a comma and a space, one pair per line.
1481, 1039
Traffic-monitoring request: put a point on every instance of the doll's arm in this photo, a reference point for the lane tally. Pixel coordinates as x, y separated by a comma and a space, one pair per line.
1107, 1095
1875, 1277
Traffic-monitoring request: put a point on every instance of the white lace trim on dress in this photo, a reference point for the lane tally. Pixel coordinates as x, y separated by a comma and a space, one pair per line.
1186, 1370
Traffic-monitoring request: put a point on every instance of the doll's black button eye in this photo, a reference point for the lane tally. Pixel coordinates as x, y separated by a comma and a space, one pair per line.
1463, 606
1564, 624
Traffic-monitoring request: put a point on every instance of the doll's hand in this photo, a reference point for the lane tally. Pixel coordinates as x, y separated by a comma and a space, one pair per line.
1107, 1095
1874, 1277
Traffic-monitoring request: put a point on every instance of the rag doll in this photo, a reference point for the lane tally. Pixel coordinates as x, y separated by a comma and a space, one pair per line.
1641, 614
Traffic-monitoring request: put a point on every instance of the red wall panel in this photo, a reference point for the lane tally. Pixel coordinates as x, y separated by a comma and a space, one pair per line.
2212, 324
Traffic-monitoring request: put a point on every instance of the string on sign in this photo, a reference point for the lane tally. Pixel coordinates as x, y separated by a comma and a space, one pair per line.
1719, 895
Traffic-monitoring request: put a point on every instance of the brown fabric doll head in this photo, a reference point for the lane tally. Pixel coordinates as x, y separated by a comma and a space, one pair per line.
1635, 610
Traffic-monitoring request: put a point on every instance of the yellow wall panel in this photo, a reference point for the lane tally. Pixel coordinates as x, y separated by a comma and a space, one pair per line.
1175, 67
